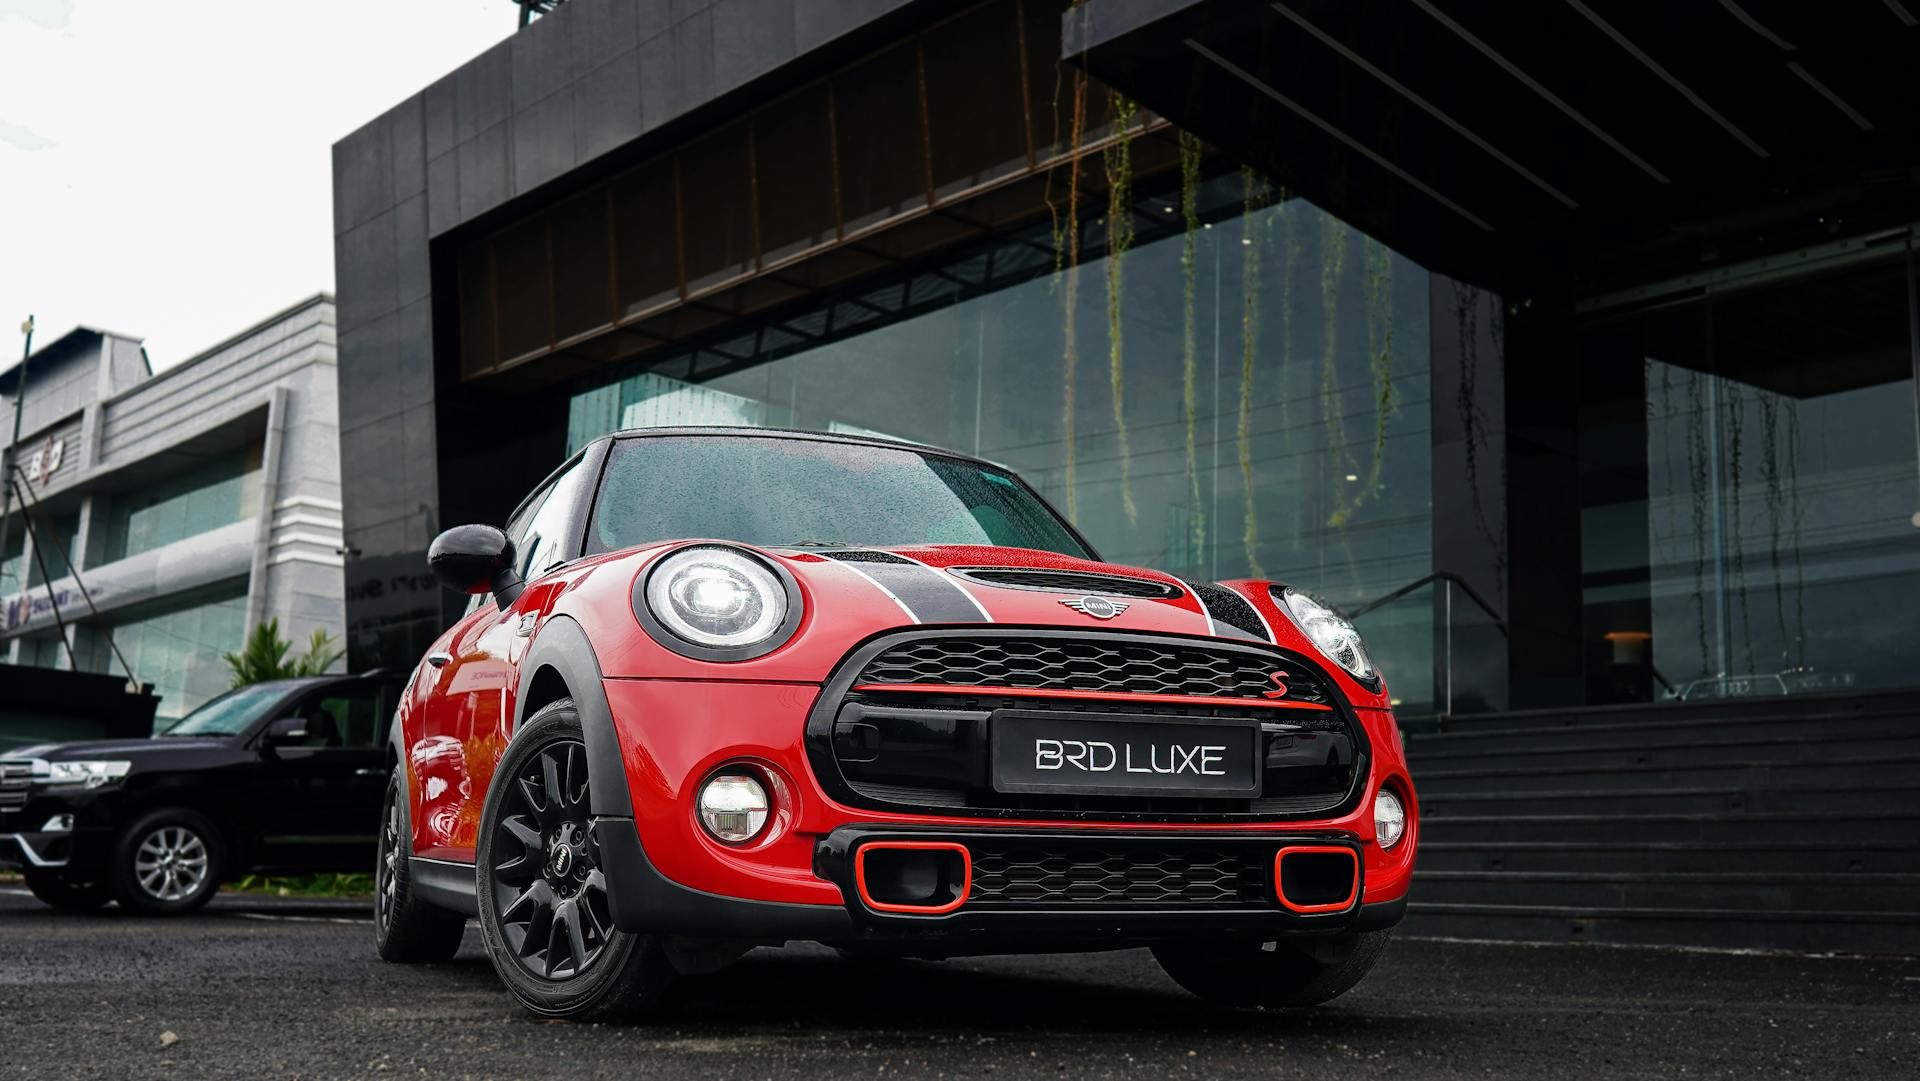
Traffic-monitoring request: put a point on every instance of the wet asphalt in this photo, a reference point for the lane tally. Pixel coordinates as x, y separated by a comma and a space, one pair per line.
268, 988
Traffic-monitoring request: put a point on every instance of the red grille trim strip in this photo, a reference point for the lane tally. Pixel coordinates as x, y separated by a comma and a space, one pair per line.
1108, 696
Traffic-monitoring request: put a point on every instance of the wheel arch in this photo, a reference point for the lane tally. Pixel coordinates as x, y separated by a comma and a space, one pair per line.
562, 664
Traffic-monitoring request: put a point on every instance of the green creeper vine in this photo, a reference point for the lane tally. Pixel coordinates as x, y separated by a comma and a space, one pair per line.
1066, 264
1332, 261
1189, 341
1378, 268
1118, 158
1254, 189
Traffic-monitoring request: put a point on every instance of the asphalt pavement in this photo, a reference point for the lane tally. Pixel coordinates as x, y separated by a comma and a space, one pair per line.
270, 988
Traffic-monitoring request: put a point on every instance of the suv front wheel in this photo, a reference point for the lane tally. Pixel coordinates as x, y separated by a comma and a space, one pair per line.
167, 862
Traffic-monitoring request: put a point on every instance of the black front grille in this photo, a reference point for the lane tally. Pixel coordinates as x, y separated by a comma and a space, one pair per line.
16, 778
1038, 875
1100, 665
1071, 582
907, 724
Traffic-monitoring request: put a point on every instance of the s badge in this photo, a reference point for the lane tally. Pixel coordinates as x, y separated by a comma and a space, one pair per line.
1097, 607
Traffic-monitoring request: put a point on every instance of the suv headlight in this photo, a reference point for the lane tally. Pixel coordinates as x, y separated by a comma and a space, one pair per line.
93, 774
717, 603
1331, 634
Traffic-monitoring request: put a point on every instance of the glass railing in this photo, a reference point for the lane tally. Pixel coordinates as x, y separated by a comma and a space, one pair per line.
1435, 638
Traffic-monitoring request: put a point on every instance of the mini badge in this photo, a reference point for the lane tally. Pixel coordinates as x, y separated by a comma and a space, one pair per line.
1097, 607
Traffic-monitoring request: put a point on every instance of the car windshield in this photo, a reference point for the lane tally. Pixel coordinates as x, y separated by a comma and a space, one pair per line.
775, 491
231, 713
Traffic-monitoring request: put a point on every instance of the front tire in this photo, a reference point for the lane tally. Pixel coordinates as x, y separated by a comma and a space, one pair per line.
406, 929
168, 862
544, 911
1272, 974
66, 895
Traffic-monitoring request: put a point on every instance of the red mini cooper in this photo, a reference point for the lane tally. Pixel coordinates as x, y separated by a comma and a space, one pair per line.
721, 688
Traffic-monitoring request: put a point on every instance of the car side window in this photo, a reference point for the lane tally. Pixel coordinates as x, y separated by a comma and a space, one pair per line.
544, 540
342, 716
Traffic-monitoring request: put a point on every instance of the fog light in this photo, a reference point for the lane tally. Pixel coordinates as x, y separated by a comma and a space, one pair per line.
733, 807
1389, 819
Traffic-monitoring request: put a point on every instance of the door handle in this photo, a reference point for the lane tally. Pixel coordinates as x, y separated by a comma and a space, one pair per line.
439, 659
368, 771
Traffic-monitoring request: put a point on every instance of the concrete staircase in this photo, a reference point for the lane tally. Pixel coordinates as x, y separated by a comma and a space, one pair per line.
1787, 823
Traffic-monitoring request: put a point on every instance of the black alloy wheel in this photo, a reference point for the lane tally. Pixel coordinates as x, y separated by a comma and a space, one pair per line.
407, 929
545, 914
547, 885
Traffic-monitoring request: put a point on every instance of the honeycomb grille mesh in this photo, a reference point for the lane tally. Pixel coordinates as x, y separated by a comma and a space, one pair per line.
1038, 876
1096, 666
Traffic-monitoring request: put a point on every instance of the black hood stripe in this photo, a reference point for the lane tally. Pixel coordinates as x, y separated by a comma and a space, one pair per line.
1233, 616
931, 596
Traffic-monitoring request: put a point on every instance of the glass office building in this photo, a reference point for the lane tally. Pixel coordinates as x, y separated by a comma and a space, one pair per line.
1564, 399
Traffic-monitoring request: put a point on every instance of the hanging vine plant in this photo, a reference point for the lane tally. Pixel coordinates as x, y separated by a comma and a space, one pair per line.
1378, 271
1254, 195
1190, 151
1065, 222
1333, 257
1118, 158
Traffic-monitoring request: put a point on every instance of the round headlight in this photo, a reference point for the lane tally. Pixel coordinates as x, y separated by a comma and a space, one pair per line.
1389, 819
1332, 635
733, 807
721, 598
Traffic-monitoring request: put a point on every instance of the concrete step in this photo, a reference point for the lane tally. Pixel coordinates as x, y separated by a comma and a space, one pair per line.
1755, 799
1663, 732
1809, 931
1778, 892
1864, 703
1838, 827
1875, 770
1839, 856
1590, 752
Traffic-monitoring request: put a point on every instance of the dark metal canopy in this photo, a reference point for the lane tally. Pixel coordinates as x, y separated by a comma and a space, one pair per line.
1560, 144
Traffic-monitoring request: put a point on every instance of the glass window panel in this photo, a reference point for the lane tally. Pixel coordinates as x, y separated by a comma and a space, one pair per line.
181, 506
476, 309
181, 650
1307, 337
1747, 466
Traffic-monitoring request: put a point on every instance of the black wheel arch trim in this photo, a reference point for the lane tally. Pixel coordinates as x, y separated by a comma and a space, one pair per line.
562, 645
646, 901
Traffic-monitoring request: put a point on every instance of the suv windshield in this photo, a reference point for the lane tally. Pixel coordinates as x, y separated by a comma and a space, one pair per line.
774, 491
231, 713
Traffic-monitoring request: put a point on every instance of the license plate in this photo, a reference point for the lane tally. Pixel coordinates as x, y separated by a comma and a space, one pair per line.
1103, 754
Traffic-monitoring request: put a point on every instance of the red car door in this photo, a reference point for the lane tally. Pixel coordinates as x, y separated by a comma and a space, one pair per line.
464, 724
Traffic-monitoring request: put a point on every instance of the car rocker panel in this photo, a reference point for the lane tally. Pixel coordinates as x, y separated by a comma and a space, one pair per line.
937, 747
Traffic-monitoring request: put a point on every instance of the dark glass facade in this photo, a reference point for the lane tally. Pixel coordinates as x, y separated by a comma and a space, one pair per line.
1566, 420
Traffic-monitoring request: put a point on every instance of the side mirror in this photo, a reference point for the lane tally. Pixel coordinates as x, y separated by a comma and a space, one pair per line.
284, 731
475, 559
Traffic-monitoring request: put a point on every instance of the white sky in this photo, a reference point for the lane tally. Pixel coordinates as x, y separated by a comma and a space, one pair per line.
166, 166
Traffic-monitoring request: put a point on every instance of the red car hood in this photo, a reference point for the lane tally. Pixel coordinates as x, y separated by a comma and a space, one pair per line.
853, 594
922, 586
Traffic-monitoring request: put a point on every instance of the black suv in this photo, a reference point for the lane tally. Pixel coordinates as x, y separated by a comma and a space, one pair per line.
284, 776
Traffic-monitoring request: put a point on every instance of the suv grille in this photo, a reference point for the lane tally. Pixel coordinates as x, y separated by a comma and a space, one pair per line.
1099, 665
1070, 582
1148, 875
16, 777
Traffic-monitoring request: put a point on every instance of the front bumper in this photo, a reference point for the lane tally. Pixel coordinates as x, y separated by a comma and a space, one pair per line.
64, 830
645, 900
795, 883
